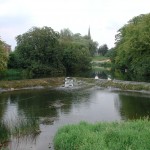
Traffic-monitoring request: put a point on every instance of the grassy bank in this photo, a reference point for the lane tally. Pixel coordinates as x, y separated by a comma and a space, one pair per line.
125, 85
122, 85
99, 58
31, 83
56, 82
131, 135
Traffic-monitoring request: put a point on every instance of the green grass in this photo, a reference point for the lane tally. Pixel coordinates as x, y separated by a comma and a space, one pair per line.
31, 83
99, 58
123, 85
98, 69
130, 135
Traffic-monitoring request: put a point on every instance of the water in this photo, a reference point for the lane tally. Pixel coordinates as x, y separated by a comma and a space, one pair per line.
57, 107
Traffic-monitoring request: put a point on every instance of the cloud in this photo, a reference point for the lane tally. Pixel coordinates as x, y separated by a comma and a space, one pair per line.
105, 17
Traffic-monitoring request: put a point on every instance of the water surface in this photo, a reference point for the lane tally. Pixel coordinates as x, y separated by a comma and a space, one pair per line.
57, 107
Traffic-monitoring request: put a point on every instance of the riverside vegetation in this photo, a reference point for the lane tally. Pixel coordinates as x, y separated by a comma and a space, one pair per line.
115, 136
23, 127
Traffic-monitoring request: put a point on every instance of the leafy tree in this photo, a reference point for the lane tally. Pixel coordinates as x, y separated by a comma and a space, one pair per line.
3, 57
133, 47
92, 45
66, 35
76, 58
42, 51
103, 49
76, 53
38, 51
13, 61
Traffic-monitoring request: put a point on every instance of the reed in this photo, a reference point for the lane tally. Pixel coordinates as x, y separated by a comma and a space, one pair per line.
4, 133
22, 127
25, 126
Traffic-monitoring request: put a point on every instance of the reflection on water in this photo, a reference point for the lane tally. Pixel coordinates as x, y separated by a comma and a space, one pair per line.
134, 106
55, 108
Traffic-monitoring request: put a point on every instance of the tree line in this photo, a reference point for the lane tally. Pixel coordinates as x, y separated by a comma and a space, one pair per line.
43, 51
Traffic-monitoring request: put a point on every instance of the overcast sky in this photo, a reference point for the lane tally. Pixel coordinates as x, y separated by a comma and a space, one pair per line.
104, 17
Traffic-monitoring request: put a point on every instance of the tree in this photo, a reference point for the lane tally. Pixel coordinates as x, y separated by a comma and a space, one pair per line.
76, 53
111, 53
42, 51
103, 49
133, 47
76, 58
66, 35
38, 51
3, 57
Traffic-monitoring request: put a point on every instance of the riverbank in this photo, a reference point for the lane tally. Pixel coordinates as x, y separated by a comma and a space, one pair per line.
30, 84
118, 135
80, 82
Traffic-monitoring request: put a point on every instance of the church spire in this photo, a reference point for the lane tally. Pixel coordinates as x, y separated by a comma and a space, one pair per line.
89, 33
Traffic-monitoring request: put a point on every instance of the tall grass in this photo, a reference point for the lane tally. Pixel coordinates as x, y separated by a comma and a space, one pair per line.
131, 135
22, 127
4, 132
25, 127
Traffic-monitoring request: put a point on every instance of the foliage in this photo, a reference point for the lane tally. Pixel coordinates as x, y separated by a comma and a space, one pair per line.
3, 57
13, 61
74, 56
76, 53
67, 36
37, 51
84, 136
93, 47
111, 54
12, 74
42, 51
133, 46
103, 49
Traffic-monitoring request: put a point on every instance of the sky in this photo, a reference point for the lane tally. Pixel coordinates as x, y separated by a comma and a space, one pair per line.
104, 17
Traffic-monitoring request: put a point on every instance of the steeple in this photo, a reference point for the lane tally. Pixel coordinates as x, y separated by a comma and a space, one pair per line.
89, 33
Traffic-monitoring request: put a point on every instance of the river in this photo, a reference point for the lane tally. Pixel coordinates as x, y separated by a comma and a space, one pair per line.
57, 107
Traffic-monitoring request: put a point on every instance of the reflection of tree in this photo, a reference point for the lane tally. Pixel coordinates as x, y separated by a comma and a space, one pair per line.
134, 106
3, 104
77, 97
37, 103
